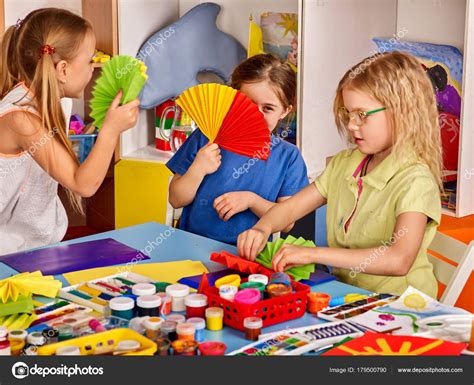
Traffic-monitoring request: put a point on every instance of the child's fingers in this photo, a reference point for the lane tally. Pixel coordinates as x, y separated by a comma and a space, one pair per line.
255, 249
116, 102
229, 214
133, 104
241, 242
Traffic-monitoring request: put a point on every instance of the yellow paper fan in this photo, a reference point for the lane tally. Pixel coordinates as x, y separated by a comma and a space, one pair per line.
27, 284
207, 104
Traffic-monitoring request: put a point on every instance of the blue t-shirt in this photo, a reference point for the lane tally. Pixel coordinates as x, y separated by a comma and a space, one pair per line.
282, 174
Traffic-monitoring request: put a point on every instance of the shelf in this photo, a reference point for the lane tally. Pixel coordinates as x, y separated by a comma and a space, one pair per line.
149, 153
448, 212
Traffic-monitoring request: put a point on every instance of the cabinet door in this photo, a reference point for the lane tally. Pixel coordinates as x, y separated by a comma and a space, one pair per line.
141, 193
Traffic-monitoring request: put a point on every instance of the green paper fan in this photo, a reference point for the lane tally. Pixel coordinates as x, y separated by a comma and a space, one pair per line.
271, 248
120, 73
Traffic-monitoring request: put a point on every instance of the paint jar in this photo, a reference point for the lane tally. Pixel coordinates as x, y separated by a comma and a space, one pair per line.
282, 278
177, 292
232, 279
212, 348
184, 347
258, 278
228, 292
163, 346
199, 326
253, 328
178, 318
195, 305
214, 318
318, 302
140, 289
247, 296
168, 330
122, 307
16, 347
254, 285
51, 334
148, 305
165, 307
69, 350
152, 327
278, 290
5, 349
185, 331
136, 324
33, 342
65, 332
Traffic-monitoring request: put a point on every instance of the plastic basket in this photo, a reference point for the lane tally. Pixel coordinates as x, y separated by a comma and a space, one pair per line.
272, 311
82, 145
87, 344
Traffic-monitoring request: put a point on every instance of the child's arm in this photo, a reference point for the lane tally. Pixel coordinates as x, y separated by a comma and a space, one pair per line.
229, 204
56, 161
279, 217
393, 260
183, 188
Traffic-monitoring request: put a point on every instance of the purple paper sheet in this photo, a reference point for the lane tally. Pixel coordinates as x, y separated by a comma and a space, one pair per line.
79, 256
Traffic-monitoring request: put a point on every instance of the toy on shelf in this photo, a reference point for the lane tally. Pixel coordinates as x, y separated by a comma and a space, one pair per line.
120, 73
298, 273
227, 117
100, 57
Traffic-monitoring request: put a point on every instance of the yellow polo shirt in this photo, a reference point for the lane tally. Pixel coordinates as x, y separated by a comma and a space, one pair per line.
390, 189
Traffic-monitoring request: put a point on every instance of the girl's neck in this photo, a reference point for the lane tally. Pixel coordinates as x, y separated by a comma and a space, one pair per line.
378, 158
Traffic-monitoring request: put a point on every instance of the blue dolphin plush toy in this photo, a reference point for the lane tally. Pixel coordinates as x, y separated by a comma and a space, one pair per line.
176, 54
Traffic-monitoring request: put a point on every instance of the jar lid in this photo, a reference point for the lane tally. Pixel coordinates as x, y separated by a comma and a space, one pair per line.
153, 323
213, 348
247, 296
185, 328
213, 312
184, 346
196, 300
177, 290
149, 301
121, 303
143, 289
178, 318
69, 350
128, 345
18, 334
253, 323
36, 338
258, 278
168, 326
232, 279
199, 323
228, 290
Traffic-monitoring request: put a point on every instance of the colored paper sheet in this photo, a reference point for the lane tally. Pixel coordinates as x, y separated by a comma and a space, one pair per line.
26, 284
163, 272
377, 344
79, 256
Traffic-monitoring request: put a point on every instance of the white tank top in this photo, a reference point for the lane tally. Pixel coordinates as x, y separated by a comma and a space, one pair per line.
31, 213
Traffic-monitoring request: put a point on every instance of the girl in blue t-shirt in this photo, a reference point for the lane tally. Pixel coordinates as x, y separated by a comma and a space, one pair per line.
223, 193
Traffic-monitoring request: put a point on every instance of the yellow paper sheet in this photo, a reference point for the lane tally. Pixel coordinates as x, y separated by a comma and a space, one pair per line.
164, 271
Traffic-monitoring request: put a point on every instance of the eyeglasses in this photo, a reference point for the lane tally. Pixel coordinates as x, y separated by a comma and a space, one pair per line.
359, 116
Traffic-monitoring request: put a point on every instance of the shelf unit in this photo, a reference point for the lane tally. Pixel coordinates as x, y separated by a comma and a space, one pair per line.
351, 25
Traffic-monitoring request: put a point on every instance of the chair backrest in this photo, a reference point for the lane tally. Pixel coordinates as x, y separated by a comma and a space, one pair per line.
453, 277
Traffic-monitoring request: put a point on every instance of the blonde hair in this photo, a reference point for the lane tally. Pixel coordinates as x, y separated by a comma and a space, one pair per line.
399, 82
22, 62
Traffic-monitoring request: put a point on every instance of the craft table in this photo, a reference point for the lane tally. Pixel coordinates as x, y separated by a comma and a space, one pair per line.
181, 245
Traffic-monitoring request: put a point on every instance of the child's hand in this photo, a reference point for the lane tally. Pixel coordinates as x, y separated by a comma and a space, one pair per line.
289, 256
251, 242
208, 159
120, 118
229, 204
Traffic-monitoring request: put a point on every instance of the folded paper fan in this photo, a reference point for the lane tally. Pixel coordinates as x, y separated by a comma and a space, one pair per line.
25, 284
299, 272
121, 73
227, 117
